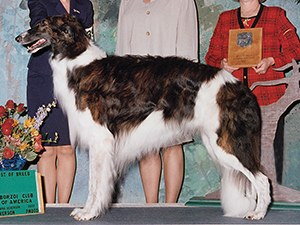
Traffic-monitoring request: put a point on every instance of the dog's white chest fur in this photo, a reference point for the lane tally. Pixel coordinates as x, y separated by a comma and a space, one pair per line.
66, 96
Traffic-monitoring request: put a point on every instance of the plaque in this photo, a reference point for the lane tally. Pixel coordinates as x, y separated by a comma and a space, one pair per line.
245, 47
20, 193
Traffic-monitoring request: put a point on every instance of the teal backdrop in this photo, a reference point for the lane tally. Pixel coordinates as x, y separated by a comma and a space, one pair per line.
201, 176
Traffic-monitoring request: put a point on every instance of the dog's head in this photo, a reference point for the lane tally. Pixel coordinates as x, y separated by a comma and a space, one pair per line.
63, 33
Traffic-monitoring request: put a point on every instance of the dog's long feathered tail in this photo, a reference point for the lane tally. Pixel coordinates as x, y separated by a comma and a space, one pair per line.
237, 193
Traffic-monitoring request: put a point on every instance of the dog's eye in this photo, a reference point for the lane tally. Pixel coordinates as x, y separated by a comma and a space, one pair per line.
66, 29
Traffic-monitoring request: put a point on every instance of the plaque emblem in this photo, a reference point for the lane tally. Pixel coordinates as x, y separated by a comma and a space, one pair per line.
244, 39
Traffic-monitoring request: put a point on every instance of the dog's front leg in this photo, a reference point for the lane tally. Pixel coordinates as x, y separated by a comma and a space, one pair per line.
101, 180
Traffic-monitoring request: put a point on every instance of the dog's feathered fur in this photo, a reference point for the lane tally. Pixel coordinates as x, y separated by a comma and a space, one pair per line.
121, 108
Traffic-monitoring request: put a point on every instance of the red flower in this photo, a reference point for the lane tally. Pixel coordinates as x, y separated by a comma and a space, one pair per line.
38, 143
7, 126
2, 111
10, 104
21, 108
8, 153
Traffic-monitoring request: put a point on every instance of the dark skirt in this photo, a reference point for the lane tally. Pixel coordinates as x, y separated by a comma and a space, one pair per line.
40, 92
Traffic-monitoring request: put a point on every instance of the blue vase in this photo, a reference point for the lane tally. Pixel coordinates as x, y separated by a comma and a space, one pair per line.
15, 163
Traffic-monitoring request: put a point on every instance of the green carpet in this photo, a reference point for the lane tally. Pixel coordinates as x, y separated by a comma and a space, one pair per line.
202, 202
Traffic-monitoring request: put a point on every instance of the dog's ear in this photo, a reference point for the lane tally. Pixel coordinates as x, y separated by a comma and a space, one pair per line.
68, 30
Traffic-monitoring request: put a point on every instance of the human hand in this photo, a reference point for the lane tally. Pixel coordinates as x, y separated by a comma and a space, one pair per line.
224, 65
263, 66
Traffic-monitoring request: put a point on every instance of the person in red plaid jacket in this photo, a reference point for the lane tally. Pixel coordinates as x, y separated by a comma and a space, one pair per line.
280, 44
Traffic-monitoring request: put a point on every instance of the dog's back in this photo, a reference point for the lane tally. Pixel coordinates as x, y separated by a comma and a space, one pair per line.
130, 88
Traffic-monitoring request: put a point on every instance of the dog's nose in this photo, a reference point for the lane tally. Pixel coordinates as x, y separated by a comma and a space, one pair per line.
18, 38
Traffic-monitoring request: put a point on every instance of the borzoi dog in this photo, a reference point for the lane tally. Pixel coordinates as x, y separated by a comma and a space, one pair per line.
123, 108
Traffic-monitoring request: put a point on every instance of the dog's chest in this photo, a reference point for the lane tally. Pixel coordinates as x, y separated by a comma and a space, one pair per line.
62, 92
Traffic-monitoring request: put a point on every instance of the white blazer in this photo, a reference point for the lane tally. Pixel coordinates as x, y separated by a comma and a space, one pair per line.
161, 27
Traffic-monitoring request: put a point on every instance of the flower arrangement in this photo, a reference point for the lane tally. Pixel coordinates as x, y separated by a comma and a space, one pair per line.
20, 139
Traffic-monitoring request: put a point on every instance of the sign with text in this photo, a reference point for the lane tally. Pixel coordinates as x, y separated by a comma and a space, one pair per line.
245, 47
20, 193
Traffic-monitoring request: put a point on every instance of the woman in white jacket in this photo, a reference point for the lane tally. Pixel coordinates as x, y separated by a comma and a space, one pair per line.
165, 28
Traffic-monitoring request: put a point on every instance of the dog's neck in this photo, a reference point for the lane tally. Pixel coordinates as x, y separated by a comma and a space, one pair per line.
83, 57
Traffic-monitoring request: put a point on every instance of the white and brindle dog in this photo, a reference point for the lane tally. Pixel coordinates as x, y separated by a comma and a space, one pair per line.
123, 108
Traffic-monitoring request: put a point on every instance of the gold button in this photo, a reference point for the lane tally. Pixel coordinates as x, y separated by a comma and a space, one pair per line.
148, 33
148, 12
245, 77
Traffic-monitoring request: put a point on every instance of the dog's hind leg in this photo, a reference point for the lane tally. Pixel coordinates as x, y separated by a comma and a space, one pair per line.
102, 174
251, 186
243, 193
262, 186
236, 144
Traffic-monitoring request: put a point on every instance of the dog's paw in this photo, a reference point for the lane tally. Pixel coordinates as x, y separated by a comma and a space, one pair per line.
82, 214
255, 215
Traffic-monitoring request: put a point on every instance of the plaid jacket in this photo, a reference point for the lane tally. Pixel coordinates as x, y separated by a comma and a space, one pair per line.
280, 41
